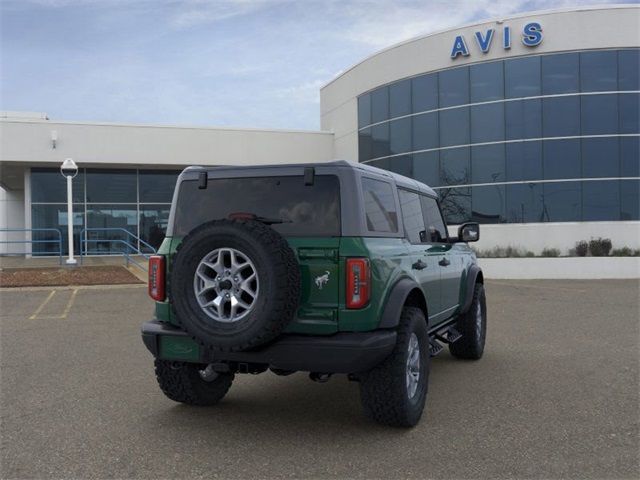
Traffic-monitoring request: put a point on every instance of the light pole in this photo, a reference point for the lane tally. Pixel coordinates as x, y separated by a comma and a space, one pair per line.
69, 169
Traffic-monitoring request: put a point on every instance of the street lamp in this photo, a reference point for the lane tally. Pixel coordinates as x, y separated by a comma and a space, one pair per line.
69, 169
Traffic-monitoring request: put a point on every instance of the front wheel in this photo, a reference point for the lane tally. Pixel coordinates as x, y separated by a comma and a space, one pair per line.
394, 392
473, 327
192, 383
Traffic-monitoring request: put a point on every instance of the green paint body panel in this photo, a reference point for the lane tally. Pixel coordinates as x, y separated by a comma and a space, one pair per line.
322, 309
178, 348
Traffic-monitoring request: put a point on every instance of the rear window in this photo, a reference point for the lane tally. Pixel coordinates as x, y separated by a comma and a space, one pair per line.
304, 210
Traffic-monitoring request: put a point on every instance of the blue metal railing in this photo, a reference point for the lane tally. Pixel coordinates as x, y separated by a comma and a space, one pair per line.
130, 242
31, 241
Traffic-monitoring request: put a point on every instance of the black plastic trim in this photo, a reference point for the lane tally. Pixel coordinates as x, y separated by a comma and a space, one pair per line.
395, 302
345, 352
472, 276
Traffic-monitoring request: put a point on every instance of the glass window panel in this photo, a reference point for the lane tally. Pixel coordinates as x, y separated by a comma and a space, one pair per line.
487, 82
365, 145
561, 116
630, 156
53, 216
561, 159
629, 112
523, 161
601, 200
426, 168
111, 186
523, 119
454, 166
48, 185
522, 77
487, 164
487, 204
455, 204
380, 206
629, 200
599, 71
380, 140
153, 224
401, 165
487, 123
424, 92
454, 127
412, 216
400, 98
400, 135
425, 131
599, 114
524, 203
156, 186
629, 70
454, 87
562, 202
600, 157
364, 110
380, 105
436, 231
560, 73
115, 218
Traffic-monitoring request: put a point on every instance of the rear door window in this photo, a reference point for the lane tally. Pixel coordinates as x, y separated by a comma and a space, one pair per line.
412, 217
436, 231
292, 208
380, 206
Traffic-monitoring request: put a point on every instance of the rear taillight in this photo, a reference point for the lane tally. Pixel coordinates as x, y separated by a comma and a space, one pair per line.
156, 277
358, 282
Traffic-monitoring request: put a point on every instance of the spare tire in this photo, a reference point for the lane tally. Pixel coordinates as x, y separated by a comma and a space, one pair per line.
234, 284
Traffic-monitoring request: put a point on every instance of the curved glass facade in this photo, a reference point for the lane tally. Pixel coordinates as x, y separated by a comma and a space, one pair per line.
541, 138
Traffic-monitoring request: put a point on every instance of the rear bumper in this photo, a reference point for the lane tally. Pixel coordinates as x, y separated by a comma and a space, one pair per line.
339, 353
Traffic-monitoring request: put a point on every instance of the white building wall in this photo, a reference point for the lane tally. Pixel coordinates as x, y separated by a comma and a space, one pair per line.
575, 29
11, 216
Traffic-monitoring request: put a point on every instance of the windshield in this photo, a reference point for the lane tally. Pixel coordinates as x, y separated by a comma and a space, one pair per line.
286, 203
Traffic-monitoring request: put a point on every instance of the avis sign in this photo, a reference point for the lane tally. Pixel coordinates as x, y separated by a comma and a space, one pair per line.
531, 37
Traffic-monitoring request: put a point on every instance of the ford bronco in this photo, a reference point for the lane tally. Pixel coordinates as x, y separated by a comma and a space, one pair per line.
325, 268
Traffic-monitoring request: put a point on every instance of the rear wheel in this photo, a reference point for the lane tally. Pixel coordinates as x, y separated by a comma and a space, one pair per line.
394, 392
192, 383
473, 327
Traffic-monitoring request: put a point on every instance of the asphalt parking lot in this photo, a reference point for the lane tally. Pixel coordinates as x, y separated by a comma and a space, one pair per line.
555, 396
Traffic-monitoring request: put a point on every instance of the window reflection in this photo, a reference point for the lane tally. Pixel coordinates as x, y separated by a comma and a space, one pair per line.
454, 166
601, 200
400, 99
424, 92
598, 71
380, 104
400, 135
562, 202
455, 204
487, 204
454, 87
599, 114
524, 203
560, 73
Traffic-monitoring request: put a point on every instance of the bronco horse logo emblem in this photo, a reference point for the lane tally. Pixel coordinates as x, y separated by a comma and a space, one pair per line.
322, 280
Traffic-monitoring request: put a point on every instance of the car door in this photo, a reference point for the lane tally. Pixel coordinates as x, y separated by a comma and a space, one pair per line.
424, 265
440, 250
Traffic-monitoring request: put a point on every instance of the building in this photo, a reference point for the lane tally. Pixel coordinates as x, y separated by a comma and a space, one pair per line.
527, 124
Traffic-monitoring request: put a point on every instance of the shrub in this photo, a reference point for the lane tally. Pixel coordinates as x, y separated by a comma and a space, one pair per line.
625, 252
600, 247
582, 248
550, 252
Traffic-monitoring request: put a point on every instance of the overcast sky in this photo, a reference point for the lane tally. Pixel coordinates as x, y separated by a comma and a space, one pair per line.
248, 63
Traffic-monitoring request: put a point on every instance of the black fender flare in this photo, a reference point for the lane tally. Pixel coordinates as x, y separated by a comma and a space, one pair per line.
474, 275
396, 300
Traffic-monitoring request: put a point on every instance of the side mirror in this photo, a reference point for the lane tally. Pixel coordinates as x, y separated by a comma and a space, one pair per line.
469, 232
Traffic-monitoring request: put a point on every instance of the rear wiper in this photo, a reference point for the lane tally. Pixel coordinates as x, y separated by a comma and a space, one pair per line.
256, 218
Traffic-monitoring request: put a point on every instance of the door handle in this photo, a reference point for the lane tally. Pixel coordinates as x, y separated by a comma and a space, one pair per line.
419, 265
444, 262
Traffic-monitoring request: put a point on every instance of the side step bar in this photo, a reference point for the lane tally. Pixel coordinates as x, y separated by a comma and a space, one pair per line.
448, 336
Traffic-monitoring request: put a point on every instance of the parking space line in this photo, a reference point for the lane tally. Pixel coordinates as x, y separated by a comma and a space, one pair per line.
42, 305
66, 310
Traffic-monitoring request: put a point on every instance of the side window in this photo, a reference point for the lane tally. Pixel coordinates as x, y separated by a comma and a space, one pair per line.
380, 206
436, 231
412, 216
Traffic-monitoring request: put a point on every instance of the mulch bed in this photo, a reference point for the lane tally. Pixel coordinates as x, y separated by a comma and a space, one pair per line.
57, 276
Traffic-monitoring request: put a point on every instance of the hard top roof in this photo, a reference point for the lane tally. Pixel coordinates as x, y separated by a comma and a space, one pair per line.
400, 180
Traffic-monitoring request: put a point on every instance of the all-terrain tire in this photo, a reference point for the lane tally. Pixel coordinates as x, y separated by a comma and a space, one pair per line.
279, 284
183, 383
473, 327
384, 390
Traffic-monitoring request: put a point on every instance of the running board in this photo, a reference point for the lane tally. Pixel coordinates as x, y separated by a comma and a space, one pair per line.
447, 336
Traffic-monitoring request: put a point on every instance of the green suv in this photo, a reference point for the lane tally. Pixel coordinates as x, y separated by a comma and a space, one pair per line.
324, 268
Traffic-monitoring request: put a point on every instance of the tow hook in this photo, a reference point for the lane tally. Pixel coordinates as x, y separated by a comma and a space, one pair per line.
320, 377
